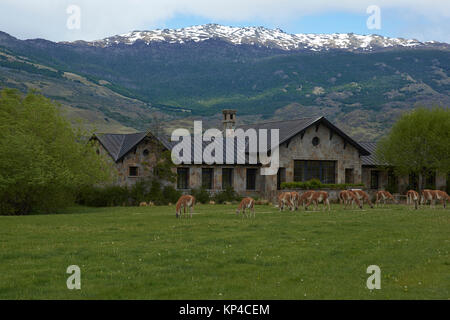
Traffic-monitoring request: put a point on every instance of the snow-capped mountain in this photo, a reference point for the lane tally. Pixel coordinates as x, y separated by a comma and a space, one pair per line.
260, 36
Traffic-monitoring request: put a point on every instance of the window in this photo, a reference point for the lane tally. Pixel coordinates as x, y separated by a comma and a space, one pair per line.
392, 181
227, 177
281, 177
315, 141
133, 171
349, 175
207, 178
183, 178
145, 152
305, 170
251, 179
374, 175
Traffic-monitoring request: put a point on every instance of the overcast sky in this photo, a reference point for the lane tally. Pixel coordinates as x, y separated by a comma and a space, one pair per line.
420, 19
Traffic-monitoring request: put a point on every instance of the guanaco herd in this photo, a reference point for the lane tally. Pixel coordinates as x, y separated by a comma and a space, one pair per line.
293, 200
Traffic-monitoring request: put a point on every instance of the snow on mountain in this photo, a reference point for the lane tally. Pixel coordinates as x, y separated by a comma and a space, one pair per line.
260, 36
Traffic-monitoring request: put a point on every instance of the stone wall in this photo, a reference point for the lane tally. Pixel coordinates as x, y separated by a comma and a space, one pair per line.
331, 147
239, 179
402, 181
144, 161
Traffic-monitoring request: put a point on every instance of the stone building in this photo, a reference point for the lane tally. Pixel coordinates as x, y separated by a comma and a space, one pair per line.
380, 176
134, 155
308, 148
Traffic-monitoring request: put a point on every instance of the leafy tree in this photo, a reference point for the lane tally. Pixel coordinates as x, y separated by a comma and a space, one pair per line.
43, 159
418, 141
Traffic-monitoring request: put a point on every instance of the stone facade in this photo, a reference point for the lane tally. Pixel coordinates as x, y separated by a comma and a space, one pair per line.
314, 142
143, 157
402, 183
239, 179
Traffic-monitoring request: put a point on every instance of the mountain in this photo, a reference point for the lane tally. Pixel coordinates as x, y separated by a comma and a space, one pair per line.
362, 83
263, 37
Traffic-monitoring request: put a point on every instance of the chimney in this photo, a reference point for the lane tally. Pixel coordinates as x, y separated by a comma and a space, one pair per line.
229, 119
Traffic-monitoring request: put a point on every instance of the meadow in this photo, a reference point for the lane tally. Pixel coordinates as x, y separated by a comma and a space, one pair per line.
146, 253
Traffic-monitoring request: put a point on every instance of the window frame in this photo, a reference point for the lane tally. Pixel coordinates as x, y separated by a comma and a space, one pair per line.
351, 175
305, 170
247, 185
186, 178
281, 177
372, 174
231, 177
211, 178
129, 171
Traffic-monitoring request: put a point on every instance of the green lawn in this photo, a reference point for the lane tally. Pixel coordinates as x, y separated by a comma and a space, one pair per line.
146, 253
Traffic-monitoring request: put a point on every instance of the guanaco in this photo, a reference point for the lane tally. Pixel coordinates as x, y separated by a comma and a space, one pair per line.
184, 202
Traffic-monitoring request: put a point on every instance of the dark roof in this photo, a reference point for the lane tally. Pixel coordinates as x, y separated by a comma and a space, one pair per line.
371, 159
119, 145
290, 128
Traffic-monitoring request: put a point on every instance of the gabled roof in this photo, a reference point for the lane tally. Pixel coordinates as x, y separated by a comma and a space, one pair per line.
290, 128
118, 145
371, 159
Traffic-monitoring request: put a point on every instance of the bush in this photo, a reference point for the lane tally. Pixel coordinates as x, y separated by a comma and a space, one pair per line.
201, 195
139, 192
103, 196
226, 195
316, 184
144, 190
155, 193
170, 194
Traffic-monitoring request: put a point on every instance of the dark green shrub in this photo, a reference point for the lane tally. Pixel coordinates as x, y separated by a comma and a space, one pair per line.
155, 194
170, 194
226, 195
315, 184
103, 196
139, 192
201, 195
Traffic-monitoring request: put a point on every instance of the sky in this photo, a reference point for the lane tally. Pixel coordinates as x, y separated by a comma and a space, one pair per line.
69, 20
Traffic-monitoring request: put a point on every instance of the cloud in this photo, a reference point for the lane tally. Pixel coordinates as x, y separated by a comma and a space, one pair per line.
101, 18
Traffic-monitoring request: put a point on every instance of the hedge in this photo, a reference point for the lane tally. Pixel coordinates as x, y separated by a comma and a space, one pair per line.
316, 184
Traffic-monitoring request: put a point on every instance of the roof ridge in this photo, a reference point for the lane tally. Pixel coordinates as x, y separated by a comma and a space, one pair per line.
120, 147
259, 123
117, 134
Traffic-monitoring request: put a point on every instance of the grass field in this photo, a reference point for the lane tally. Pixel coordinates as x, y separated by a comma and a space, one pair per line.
146, 253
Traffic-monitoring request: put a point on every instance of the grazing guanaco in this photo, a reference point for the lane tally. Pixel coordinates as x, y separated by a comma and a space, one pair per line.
246, 203
443, 196
285, 200
295, 199
184, 202
428, 195
433, 196
412, 197
383, 196
362, 196
349, 197
305, 197
317, 197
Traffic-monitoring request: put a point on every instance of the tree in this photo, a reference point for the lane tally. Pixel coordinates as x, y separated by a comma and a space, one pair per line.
43, 159
418, 142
